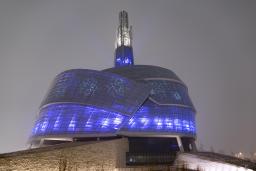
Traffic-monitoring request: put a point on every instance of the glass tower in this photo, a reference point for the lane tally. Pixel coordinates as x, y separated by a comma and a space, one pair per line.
123, 51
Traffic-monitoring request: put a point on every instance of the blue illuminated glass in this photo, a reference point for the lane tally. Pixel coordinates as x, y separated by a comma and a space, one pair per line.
169, 92
162, 119
92, 102
124, 56
99, 89
74, 118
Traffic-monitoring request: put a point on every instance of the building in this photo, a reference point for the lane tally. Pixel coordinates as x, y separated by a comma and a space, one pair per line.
137, 117
149, 105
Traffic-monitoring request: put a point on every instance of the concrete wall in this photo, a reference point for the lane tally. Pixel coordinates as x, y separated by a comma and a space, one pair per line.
91, 156
99, 155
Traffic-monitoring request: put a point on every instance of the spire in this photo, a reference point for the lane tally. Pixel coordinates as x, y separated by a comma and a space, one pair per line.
123, 51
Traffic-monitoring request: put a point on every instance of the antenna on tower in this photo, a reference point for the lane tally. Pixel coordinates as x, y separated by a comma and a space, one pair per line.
123, 51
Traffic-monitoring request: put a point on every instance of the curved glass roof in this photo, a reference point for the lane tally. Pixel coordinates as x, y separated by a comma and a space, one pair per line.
142, 72
99, 89
166, 87
165, 92
127, 100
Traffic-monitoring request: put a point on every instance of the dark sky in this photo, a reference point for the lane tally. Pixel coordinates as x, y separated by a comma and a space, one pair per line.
210, 45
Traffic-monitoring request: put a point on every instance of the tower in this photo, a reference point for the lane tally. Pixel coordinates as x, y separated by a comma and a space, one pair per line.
123, 51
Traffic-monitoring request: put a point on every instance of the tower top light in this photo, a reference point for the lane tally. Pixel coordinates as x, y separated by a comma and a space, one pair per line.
124, 32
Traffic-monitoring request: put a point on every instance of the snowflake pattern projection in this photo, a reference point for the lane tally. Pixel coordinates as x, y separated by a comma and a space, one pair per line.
62, 84
145, 119
72, 83
117, 87
167, 92
87, 87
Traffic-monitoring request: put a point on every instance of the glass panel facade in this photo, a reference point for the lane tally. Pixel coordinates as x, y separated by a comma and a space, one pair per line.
124, 56
94, 102
140, 72
76, 119
169, 92
94, 88
152, 118
79, 119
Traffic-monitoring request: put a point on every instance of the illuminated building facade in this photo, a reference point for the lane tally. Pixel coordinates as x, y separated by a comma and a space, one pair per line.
147, 104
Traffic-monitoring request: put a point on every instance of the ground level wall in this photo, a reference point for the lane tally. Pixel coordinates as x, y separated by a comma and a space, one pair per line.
99, 155
83, 156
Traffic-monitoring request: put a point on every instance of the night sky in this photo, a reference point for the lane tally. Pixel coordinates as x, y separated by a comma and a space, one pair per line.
210, 45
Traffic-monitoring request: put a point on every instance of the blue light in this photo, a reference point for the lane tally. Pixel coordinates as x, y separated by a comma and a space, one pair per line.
185, 124
169, 119
127, 61
177, 124
44, 125
70, 118
124, 56
56, 125
177, 96
117, 121
99, 89
131, 121
145, 122
72, 124
77, 119
36, 128
158, 123
88, 123
105, 123
168, 123
169, 92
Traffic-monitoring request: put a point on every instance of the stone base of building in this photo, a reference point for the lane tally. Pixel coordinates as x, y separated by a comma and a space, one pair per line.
108, 155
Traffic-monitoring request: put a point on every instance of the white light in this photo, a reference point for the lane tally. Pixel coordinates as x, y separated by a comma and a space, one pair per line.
105, 122
72, 124
44, 125
57, 123
117, 121
239, 155
192, 161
